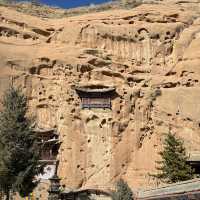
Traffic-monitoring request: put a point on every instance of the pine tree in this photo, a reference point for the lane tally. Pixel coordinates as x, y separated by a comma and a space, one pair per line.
123, 191
174, 167
19, 151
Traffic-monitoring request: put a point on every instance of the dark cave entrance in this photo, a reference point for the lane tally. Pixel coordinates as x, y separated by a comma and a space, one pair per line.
194, 161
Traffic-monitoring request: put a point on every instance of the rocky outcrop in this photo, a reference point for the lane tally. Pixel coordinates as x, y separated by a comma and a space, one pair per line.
149, 54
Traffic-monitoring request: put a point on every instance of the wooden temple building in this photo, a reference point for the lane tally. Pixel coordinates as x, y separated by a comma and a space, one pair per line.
96, 97
86, 194
50, 144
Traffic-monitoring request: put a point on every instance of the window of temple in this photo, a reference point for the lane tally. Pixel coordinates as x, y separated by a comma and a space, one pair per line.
49, 151
95, 97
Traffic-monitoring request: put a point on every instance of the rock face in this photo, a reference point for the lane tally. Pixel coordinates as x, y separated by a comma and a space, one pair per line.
149, 54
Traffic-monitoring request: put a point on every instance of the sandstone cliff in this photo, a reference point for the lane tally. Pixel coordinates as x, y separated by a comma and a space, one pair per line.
150, 54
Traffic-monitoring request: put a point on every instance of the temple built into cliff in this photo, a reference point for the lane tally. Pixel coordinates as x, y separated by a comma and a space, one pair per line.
49, 141
106, 87
96, 96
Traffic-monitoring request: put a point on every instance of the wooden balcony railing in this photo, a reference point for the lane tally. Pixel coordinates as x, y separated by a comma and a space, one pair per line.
96, 103
96, 106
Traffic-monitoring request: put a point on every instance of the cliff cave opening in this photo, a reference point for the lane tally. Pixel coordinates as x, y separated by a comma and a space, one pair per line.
194, 161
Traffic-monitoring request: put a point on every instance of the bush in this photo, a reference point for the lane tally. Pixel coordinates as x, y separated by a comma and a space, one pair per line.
123, 191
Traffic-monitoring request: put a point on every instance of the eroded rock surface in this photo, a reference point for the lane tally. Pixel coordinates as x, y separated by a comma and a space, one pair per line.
149, 54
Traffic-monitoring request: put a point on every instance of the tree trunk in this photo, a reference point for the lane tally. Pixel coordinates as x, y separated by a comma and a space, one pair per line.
1, 195
7, 195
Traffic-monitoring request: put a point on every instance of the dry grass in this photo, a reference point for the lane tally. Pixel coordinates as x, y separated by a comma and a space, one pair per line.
45, 11
36, 10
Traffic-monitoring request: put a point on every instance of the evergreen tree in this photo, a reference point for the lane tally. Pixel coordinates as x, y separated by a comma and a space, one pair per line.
19, 151
123, 191
174, 167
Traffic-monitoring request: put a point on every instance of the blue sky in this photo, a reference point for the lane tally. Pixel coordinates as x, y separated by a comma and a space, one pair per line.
71, 3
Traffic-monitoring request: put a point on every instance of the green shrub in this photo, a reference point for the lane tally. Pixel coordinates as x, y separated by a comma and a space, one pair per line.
123, 191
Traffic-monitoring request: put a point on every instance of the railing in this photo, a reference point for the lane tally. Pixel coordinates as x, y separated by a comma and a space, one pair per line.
84, 105
186, 190
96, 102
